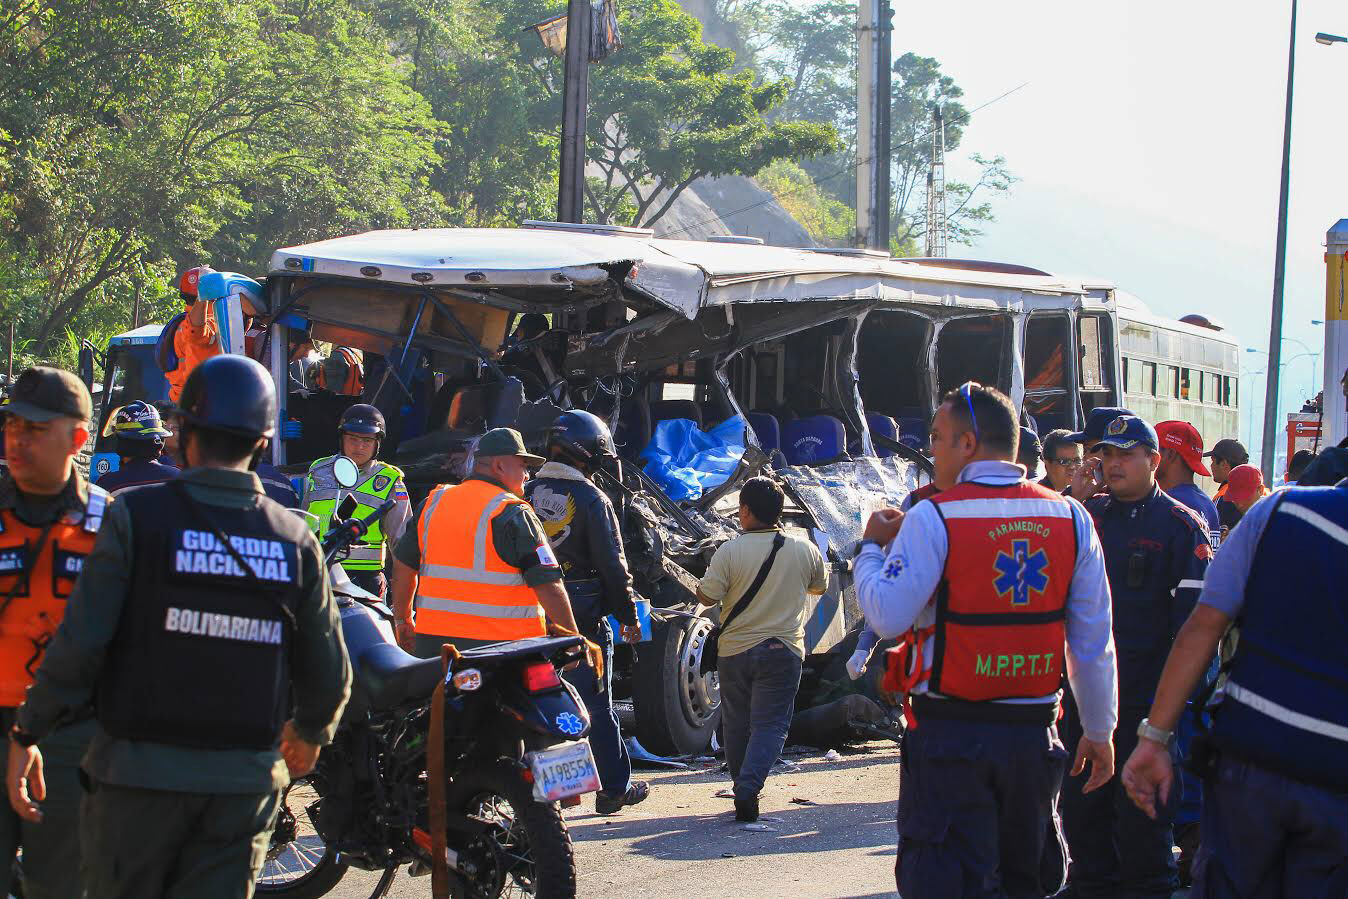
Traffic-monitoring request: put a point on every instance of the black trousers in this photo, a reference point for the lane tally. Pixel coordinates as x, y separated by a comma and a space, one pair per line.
1117, 851
977, 810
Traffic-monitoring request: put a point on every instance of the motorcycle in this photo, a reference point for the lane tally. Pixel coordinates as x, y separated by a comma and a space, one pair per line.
514, 747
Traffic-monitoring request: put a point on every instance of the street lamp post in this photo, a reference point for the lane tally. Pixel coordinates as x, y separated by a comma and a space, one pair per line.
1279, 270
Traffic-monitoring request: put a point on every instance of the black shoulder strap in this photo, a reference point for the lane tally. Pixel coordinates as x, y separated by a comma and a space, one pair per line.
777, 543
200, 515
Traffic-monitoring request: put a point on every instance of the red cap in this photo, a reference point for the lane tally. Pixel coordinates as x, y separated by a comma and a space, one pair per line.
1184, 439
187, 283
1244, 483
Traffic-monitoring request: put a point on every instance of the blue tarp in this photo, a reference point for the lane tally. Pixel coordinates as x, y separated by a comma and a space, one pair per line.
686, 461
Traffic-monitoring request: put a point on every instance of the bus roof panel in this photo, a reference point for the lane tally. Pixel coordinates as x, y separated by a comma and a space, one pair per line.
683, 275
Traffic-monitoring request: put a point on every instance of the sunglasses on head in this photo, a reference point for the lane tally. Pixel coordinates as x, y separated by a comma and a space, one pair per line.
965, 391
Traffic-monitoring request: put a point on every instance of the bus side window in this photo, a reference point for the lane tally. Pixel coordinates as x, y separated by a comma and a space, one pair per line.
1184, 384
1094, 346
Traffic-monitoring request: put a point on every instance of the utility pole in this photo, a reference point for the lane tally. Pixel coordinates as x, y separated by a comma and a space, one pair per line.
135, 307
1274, 381
575, 99
936, 221
874, 50
10, 367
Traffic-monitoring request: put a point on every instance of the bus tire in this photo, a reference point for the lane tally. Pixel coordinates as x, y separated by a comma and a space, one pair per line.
677, 708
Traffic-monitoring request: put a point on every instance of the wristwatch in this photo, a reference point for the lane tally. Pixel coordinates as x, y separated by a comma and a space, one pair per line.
861, 544
1165, 737
22, 737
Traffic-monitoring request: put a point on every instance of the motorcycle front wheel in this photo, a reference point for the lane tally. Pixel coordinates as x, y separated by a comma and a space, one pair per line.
299, 864
525, 852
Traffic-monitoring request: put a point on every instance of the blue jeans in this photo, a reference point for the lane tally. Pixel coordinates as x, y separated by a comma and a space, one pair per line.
606, 740
758, 697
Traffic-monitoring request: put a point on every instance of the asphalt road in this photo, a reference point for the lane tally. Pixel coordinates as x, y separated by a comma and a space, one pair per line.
683, 841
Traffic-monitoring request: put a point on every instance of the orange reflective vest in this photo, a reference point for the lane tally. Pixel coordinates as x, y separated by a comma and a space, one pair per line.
1002, 603
465, 588
38, 575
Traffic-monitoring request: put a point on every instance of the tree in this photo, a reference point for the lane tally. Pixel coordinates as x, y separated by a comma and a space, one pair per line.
250, 125
668, 108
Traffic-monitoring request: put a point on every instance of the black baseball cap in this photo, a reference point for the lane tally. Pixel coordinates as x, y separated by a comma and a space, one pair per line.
1229, 450
41, 393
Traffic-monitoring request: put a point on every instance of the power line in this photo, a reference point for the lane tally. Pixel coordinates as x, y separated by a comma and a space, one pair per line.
838, 174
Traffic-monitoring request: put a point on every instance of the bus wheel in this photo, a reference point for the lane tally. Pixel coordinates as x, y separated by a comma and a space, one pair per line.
677, 707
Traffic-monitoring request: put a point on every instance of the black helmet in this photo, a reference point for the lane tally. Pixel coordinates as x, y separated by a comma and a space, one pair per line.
582, 437
362, 419
232, 394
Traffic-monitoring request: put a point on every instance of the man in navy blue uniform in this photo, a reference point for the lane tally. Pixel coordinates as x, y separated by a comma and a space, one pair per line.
140, 442
1156, 553
1275, 807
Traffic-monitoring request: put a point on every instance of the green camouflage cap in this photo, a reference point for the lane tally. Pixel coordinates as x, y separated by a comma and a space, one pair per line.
504, 442
41, 394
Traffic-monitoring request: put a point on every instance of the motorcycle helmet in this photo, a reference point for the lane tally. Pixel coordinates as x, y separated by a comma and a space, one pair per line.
232, 394
582, 438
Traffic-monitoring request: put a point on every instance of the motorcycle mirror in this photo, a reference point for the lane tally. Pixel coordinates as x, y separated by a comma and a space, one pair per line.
345, 471
348, 507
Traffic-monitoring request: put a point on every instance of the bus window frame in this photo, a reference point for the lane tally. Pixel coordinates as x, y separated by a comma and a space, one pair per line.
1070, 373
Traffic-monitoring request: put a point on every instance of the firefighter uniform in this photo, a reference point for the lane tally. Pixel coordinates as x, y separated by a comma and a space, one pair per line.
378, 481
988, 582
202, 619
1156, 552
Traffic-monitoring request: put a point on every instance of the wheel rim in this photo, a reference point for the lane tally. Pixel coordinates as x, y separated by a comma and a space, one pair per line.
296, 849
499, 862
699, 694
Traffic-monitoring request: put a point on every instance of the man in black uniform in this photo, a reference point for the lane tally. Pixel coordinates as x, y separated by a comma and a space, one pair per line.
140, 444
583, 530
202, 619
1156, 555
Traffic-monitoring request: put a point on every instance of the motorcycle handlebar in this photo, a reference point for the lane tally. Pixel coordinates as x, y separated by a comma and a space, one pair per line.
345, 532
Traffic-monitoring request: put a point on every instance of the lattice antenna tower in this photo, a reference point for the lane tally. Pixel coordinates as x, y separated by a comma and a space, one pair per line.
936, 220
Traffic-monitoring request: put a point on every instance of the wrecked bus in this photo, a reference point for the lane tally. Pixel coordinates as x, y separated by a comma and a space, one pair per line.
834, 359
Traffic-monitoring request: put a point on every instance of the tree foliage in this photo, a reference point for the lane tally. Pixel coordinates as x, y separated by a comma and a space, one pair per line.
813, 46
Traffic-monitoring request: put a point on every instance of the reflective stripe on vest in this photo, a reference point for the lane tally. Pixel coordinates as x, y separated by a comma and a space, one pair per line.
1001, 605
1285, 702
465, 589
43, 585
323, 497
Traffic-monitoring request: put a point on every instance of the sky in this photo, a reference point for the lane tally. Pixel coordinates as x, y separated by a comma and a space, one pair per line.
1148, 142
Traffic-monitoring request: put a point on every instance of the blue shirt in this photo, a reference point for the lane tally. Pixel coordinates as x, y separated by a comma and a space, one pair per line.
1196, 499
137, 473
895, 588
1224, 586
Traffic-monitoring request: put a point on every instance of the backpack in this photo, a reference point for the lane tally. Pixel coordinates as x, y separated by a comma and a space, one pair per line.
164, 353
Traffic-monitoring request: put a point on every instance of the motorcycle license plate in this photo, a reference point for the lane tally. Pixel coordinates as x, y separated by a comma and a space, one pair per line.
563, 771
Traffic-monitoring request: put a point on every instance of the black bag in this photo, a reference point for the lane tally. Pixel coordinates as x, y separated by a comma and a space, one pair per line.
711, 650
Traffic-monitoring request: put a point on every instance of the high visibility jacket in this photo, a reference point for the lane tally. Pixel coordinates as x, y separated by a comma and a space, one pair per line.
322, 495
40, 579
194, 345
1001, 605
1285, 704
465, 588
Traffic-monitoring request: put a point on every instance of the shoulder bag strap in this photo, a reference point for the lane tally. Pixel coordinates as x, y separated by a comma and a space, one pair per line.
200, 515
777, 543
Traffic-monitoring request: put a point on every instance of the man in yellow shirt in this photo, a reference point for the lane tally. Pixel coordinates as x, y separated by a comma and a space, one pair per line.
762, 650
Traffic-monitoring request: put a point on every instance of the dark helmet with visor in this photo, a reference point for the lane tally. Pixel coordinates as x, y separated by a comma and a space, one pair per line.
230, 393
582, 437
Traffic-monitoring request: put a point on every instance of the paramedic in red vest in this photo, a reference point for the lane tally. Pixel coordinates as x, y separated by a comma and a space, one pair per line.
475, 566
1000, 584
